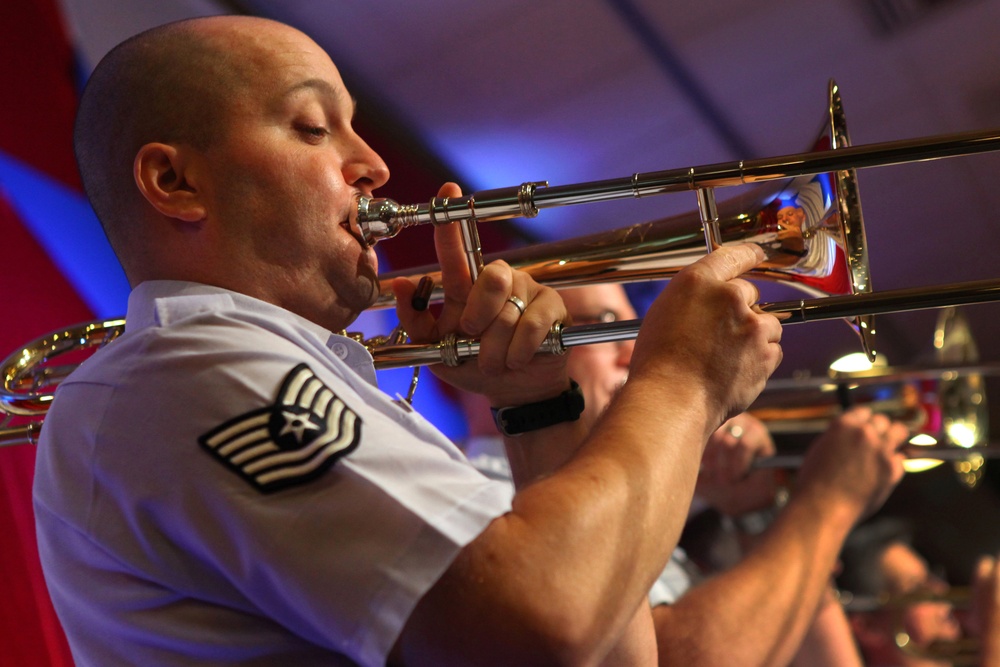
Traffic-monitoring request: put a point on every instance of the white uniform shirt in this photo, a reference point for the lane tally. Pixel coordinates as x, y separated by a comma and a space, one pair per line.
224, 484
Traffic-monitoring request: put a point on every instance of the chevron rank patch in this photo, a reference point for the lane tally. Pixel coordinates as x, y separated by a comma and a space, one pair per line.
292, 441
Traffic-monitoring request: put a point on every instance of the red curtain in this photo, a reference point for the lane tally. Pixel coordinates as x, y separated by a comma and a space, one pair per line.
37, 86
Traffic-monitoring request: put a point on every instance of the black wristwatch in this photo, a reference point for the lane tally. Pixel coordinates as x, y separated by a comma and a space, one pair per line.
518, 419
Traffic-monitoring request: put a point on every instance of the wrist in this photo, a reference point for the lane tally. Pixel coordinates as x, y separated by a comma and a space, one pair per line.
567, 406
529, 387
658, 391
840, 514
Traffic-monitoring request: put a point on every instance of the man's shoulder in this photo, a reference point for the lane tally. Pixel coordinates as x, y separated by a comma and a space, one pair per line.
175, 306
205, 338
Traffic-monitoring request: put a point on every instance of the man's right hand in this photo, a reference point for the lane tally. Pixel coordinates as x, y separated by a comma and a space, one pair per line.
704, 331
856, 463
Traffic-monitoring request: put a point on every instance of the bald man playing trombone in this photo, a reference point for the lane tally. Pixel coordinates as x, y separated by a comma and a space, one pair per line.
224, 484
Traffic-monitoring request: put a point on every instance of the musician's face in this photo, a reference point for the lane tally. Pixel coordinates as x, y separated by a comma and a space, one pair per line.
599, 369
284, 177
924, 622
791, 217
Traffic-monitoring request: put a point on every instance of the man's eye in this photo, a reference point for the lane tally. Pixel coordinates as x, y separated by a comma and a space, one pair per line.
313, 131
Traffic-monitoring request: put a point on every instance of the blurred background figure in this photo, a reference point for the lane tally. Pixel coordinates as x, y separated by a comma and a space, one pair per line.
986, 610
879, 567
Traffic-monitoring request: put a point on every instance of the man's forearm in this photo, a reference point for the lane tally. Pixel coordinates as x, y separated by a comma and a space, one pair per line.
829, 641
758, 612
568, 567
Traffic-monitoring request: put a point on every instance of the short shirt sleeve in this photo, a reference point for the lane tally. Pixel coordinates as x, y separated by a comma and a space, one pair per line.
673, 582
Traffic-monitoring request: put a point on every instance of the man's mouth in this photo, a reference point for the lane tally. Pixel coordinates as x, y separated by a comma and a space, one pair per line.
353, 225
346, 224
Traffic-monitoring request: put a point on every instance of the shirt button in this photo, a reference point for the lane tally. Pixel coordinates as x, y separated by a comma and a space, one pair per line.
340, 350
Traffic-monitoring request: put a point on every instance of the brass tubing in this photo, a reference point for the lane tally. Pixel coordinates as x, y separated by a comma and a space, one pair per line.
790, 312
957, 653
562, 338
383, 218
878, 376
20, 435
887, 301
934, 452
13, 400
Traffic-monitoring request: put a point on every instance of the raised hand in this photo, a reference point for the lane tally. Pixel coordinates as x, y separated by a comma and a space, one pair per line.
725, 480
507, 371
856, 463
703, 330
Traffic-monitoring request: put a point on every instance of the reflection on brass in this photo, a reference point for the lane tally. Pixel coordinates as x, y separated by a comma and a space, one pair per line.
808, 221
948, 405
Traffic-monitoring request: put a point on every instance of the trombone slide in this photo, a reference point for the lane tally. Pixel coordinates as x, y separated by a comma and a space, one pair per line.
913, 452
452, 351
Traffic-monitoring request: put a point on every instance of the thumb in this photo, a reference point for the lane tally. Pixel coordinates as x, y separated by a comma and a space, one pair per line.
419, 324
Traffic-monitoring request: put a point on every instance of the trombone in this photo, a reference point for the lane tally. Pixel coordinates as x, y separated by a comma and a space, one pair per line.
822, 253
944, 405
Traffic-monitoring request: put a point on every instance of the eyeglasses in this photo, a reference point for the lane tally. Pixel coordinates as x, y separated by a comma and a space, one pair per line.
603, 317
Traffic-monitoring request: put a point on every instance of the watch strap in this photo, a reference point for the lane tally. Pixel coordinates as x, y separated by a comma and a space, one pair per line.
518, 419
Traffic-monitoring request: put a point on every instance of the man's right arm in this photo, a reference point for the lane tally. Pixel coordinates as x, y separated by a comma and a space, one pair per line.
560, 578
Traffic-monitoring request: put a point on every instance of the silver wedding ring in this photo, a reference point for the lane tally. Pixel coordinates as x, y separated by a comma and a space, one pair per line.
517, 304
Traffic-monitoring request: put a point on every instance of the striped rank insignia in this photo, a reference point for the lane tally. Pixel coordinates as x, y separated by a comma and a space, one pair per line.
292, 441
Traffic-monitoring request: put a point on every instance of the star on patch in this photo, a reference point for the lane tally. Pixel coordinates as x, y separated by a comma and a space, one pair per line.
294, 440
298, 423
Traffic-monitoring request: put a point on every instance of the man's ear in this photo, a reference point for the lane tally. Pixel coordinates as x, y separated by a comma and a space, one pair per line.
164, 177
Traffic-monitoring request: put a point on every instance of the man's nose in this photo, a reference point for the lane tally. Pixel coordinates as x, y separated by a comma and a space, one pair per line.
364, 168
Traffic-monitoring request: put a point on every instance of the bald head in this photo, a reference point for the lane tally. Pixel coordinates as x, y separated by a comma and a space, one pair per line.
170, 84
221, 151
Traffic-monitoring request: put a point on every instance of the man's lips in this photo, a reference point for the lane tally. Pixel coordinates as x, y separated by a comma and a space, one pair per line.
346, 224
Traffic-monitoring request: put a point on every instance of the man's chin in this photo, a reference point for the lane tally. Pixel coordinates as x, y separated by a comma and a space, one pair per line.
367, 268
376, 292
367, 288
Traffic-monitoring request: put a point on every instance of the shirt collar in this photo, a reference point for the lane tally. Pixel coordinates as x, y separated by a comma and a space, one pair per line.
143, 310
148, 306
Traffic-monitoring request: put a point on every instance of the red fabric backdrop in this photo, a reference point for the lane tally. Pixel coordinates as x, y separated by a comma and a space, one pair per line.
36, 80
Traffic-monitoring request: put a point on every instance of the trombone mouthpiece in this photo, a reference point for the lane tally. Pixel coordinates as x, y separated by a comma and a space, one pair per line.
378, 219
